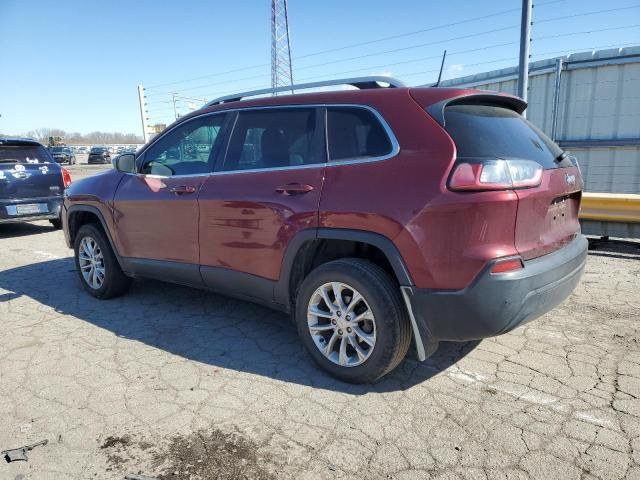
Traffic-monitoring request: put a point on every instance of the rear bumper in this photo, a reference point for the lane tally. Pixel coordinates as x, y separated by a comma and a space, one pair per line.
8, 213
496, 304
98, 160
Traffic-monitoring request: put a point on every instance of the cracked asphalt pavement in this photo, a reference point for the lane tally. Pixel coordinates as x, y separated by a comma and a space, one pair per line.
170, 382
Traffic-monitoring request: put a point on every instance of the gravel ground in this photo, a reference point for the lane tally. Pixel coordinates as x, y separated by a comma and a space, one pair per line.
174, 383
82, 169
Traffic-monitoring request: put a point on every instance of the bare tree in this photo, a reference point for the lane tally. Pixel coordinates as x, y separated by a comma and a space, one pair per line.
76, 138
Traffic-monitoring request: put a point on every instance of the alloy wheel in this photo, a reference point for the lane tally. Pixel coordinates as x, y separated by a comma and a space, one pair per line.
341, 324
91, 263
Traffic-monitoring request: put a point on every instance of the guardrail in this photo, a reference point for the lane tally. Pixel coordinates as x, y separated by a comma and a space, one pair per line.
610, 207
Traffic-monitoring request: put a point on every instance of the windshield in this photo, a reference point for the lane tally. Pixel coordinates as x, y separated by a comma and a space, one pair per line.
23, 154
98, 150
58, 150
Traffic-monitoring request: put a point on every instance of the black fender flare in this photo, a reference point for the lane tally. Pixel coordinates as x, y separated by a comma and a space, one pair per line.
281, 289
91, 209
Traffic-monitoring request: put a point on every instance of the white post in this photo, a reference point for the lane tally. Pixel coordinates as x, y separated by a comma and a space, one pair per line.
143, 112
525, 39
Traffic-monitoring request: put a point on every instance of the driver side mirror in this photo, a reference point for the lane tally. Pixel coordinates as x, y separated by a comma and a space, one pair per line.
125, 163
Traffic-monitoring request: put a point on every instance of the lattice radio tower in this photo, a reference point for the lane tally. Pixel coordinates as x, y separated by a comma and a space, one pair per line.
281, 71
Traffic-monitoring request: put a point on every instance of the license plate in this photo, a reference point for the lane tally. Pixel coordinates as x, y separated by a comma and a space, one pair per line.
559, 212
29, 208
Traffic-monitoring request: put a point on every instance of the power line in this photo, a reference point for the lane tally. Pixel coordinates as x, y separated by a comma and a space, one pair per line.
374, 54
575, 15
410, 47
566, 34
391, 37
156, 115
396, 50
584, 32
407, 34
354, 45
474, 50
597, 47
415, 60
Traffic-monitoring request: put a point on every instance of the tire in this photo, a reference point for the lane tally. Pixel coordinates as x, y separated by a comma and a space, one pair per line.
114, 281
56, 223
391, 331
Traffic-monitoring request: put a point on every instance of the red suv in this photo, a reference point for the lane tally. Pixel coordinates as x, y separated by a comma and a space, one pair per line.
372, 216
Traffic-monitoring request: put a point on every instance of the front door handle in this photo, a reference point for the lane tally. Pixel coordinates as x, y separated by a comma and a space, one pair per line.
182, 189
294, 188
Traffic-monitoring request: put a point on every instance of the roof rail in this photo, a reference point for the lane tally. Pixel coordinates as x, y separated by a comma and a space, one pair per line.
358, 82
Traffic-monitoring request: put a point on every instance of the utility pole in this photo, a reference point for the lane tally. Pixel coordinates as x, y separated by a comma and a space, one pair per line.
143, 112
175, 111
556, 99
525, 39
281, 69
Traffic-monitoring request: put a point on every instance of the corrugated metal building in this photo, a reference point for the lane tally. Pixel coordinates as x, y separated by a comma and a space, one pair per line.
590, 104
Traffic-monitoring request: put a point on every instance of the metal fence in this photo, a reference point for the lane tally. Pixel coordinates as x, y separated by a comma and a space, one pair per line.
590, 104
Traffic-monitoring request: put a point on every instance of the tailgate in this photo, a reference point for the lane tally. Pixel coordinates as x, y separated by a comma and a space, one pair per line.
548, 215
486, 132
26, 171
30, 181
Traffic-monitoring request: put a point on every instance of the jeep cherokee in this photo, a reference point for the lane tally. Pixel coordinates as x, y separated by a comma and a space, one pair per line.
373, 216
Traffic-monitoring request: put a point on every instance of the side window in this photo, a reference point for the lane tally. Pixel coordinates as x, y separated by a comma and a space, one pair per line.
274, 138
354, 132
187, 150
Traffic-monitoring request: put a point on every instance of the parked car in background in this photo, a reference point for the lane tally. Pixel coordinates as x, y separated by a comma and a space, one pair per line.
31, 182
372, 215
120, 149
83, 150
63, 155
99, 155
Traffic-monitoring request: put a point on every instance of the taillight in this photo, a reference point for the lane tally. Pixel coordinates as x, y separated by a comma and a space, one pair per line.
495, 175
507, 265
66, 177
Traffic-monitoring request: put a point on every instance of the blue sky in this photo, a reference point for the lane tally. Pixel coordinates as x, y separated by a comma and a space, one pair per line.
75, 65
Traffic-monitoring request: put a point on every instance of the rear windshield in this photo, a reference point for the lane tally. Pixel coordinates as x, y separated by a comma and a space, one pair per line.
23, 154
486, 131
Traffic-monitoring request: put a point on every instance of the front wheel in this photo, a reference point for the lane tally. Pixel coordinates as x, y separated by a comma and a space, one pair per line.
351, 319
97, 265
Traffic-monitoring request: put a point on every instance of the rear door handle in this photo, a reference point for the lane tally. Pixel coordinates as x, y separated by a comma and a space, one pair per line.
294, 188
182, 189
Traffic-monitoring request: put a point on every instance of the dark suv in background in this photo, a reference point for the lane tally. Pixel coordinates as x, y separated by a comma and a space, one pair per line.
372, 216
63, 155
99, 155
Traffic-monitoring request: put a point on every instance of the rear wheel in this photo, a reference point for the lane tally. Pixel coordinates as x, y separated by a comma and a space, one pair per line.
97, 265
351, 319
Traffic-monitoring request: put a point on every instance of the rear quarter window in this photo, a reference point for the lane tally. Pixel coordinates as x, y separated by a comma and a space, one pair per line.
355, 133
485, 131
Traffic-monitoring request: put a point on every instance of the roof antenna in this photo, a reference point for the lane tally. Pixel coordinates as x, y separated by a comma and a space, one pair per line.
444, 55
